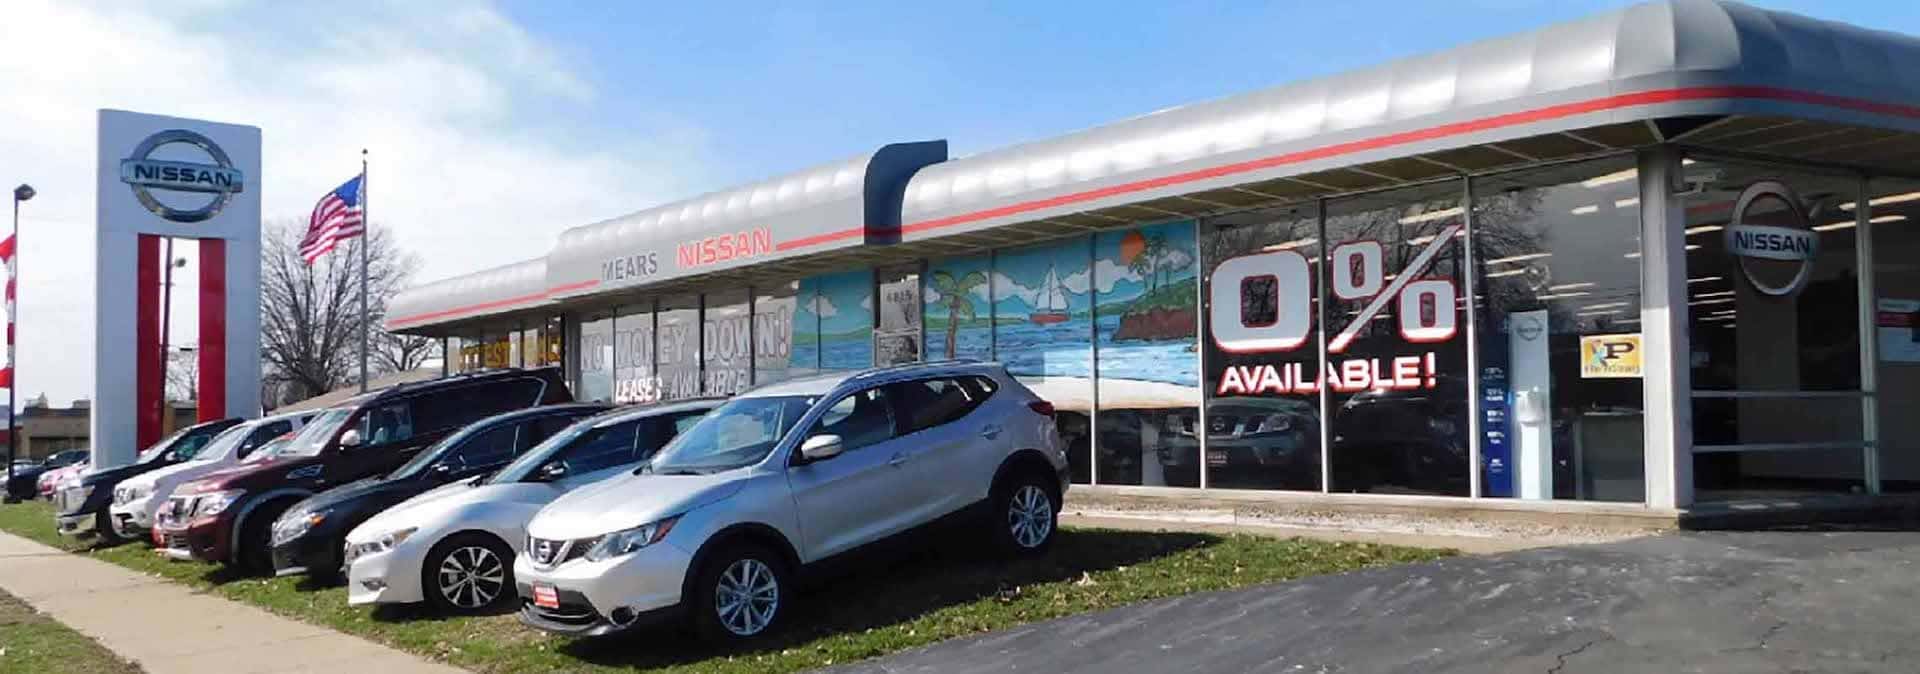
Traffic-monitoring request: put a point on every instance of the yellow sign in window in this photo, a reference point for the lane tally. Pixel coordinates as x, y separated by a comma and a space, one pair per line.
1610, 356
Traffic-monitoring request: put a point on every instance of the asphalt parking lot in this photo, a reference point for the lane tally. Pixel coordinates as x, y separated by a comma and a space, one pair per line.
1783, 601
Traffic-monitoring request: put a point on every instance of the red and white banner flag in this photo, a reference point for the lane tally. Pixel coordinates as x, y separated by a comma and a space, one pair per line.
6, 257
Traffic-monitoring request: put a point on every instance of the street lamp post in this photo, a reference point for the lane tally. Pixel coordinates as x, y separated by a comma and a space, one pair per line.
21, 193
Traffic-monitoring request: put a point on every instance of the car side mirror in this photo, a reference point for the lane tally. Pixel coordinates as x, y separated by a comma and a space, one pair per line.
821, 447
350, 439
553, 471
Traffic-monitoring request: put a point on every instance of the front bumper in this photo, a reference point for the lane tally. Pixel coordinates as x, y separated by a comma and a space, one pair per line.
390, 577
206, 540
132, 520
643, 587
309, 553
75, 525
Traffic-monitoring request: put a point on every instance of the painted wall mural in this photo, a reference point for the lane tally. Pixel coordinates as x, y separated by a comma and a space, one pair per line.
844, 304
958, 299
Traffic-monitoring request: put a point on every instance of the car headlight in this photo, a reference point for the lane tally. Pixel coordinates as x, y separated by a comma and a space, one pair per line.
296, 524
385, 542
214, 503
628, 540
75, 494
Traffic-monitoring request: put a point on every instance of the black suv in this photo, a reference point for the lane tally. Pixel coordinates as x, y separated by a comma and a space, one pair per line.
84, 507
316, 528
228, 516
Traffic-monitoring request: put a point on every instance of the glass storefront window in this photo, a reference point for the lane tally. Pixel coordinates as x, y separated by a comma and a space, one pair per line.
773, 330
451, 355
1774, 320
595, 370
1558, 285
806, 329
550, 343
844, 305
896, 337
678, 347
1395, 344
727, 351
1895, 221
1263, 349
1043, 332
495, 350
635, 378
1146, 292
959, 308
516, 348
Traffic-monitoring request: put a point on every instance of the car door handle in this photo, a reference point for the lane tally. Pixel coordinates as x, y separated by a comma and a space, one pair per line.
899, 459
990, 432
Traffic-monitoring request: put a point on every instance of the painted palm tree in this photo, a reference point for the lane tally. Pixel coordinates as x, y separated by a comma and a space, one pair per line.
957, 294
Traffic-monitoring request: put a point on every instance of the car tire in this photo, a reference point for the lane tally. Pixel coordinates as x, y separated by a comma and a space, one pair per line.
1026, 514
468, 574
103, 529
254, 556
715, 608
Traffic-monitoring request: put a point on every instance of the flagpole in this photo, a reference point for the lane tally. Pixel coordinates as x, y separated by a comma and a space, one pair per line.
366, 238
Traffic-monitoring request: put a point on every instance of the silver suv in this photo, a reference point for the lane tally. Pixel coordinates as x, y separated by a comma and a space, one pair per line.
717, 527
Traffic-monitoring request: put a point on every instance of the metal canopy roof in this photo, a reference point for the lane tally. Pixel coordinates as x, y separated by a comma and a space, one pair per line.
1677, 58
839, 205
1702, 73
499, 290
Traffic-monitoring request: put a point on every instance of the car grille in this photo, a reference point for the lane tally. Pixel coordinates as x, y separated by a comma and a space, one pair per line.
178, 509
176, 542
549, 553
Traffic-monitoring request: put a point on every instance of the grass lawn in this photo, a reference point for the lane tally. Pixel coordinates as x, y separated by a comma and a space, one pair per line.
31, 643
935, 595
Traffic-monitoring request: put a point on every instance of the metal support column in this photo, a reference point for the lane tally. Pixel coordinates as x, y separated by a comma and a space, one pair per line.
1668, 379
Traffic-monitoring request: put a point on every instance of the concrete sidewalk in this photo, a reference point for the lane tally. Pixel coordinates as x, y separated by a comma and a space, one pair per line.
167, 627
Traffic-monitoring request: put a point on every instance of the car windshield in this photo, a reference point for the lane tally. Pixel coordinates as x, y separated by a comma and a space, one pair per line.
154, 450
223, 443
739, 433
269, 450
431, 454
314, 437
524, 465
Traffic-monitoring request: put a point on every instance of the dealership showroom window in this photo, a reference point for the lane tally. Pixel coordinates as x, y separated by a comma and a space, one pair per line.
1464, 336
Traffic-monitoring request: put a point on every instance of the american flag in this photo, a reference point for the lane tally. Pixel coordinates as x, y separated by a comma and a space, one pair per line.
339, 215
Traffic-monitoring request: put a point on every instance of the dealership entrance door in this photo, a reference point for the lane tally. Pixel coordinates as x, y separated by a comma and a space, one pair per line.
1781, 403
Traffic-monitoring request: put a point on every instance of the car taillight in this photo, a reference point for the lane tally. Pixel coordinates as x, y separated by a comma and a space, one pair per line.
1042, 407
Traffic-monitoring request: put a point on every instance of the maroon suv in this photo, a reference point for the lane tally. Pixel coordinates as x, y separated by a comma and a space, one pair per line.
228, 516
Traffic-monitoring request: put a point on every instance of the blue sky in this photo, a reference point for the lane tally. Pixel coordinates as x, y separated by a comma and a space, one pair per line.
495, 124
777, 89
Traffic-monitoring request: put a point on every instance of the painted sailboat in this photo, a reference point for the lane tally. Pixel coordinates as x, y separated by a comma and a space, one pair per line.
1051, 301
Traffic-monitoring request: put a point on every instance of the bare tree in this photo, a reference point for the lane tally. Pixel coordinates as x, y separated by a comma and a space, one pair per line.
183, 374
310, 314
394, 352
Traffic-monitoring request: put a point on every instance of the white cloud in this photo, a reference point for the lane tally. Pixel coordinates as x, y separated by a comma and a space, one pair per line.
930, 296
465, 114
824, 308
866, 302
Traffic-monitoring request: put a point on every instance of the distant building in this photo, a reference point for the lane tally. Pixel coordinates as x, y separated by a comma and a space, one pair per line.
45, 430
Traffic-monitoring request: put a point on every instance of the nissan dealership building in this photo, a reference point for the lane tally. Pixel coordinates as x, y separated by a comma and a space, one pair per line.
1664, 256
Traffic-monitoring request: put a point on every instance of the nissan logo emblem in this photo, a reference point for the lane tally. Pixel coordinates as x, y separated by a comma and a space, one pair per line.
146, 175
1776, 257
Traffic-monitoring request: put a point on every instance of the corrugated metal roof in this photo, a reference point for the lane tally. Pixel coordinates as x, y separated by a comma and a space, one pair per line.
837, 205
520, 285
1581, 82
1659, 59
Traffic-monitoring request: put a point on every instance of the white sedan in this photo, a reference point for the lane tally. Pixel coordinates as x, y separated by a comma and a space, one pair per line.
137, 501
453, 547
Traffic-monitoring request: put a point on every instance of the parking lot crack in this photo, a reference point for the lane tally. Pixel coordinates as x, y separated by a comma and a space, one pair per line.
1560, 661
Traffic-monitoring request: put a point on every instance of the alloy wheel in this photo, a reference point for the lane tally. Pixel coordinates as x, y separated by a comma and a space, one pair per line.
472, 577
747, 597
1030, 516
